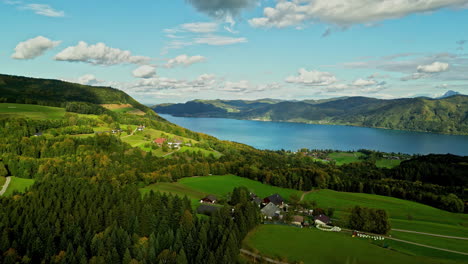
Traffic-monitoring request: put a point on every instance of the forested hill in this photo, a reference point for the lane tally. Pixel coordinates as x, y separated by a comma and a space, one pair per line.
446, 115
16, 89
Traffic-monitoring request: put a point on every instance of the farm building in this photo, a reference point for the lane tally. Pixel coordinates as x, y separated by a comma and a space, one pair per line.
270, 211
322, 220
297, 220
159, 141
209, 199
276, 199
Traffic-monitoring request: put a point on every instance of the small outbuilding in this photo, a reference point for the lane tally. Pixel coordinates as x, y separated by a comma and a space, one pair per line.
209, 199
322, 220
297, 220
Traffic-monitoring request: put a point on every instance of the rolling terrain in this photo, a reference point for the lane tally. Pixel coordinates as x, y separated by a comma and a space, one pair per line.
448, 115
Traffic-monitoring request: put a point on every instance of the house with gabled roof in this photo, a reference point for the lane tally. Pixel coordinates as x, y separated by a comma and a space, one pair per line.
209, 199
322, 219
271, 210
276, 199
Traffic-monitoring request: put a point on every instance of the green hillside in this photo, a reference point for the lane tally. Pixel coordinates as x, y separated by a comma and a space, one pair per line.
447, 115
16, 89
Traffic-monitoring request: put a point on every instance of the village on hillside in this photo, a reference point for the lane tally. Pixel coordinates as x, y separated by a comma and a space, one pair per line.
275, 210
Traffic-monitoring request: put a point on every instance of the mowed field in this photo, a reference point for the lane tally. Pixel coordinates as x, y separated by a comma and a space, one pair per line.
403, 214
311, 245
31, 111
18, 184
349, 157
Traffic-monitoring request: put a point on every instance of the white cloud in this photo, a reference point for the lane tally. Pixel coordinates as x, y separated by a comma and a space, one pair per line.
215, 40
184, 60
312, 78
363, 82
414, 76
33, 48
99, 54
88, 79
345, 13
145, 71
44, 10
200, 27
435, 67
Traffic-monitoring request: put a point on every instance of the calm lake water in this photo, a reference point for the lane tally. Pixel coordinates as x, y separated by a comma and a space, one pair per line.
293, 136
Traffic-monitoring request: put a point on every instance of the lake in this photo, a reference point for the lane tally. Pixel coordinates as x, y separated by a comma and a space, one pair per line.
293, 136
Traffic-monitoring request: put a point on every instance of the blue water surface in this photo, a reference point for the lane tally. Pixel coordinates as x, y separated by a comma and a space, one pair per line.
293, 136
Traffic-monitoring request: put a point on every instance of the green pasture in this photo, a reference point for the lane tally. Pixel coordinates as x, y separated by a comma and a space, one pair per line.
31, 111
18, 184
311, 245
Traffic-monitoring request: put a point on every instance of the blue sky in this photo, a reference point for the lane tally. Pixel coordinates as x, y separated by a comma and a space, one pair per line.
178, 50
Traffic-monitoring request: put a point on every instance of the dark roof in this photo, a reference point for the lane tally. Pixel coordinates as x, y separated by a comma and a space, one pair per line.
210, 197
257, 200
206, 209
275, 198
325, 219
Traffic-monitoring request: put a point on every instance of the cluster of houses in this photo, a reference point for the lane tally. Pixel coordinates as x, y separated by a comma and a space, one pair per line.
172, 144
272, 208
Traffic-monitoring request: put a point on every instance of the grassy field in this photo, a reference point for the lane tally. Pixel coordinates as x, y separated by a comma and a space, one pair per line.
31, 111
345, 157
314, 246
349, 157
403, 214
18, 184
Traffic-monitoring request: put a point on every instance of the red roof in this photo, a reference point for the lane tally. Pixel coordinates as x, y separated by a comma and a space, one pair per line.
159, 140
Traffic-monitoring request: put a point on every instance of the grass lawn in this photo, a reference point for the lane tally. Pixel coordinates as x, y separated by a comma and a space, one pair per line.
423, 218
314, 246
345, 157
31, 111
222, 185
440, 242
18, 184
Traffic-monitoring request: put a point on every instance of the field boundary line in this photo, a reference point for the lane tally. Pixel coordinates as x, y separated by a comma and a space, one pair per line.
5, 186
429, 234
257, 256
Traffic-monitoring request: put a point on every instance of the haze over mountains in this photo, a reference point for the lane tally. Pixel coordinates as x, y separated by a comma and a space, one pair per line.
448, 114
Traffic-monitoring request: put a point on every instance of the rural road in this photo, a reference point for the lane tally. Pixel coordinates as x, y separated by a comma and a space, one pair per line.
429, 234
246, 252
5, 186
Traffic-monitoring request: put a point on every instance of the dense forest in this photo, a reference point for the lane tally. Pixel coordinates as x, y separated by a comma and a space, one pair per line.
85, 206
446, 115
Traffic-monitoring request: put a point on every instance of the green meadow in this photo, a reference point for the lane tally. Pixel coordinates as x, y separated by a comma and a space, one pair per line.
18, 184
311, 245
31, 111
2, 181
403, 215
349, 157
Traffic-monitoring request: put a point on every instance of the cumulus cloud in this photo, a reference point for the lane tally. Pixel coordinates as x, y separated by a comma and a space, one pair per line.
145, 71
312, 78
434, 67
363, 82
44, 10
215, 40
33, 48
200, 27
88, 79
222, 8
99, 54
344, 13
184, 60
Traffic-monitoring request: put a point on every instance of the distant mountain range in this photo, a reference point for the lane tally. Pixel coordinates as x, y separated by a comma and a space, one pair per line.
448, 115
